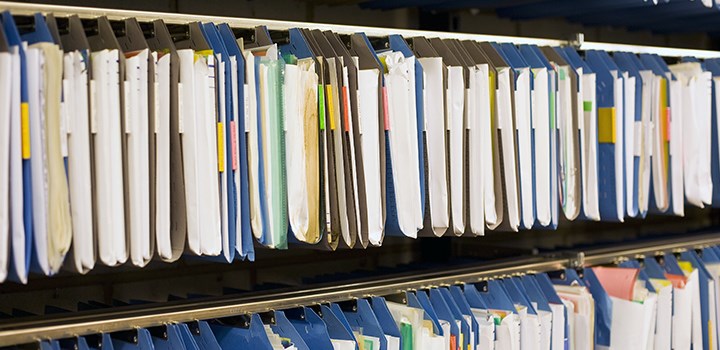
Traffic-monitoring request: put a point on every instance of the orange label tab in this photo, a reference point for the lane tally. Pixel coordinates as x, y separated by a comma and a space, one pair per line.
220, 148
25, 129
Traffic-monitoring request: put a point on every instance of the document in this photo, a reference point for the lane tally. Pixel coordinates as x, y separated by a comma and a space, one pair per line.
696, 89
455, 123
435, 131
112, 242
588, 143
478, 80
198, 125
400, 83
36, 106
368, 113
52, 225
271, 124
162, 106
540, 99
137, 112
567, 119
412, 327
581, 315
20, 181
301, 137
6, 83
485, 126
76, 105
507, 142
523, 117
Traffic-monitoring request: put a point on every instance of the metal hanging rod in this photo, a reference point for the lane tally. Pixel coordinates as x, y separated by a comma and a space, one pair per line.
90, 12
144, 316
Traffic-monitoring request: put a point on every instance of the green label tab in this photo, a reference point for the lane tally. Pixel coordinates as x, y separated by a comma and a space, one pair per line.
587, 106
321, 106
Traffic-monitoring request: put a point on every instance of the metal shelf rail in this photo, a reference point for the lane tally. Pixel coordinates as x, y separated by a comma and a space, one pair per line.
144, 316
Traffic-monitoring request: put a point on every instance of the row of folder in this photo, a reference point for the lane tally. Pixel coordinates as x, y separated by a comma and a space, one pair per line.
660, 302
126, 141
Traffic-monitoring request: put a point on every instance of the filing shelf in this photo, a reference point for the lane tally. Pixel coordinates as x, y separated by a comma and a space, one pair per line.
142, 316
131, 317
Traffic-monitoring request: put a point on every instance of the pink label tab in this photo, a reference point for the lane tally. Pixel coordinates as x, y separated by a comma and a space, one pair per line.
234, 143
385, 108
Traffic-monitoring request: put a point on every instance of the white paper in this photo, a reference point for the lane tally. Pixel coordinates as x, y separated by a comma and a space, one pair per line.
541, 130
162, 158
633, 142
6, 94
38, 138
136, 133
341, 344
112, 241
558, 327
400, 83
619, 147
677, 172
75, 93
588, 146
569, 196
17, 224
455, 107
393, 343
507, 135
524, 145
369, 115
220, 112
486, 132
436, 146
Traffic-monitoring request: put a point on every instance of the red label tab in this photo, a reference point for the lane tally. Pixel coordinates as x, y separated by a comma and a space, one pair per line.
345, 109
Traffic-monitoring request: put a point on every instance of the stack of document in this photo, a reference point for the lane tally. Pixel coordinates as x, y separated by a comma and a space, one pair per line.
127, 141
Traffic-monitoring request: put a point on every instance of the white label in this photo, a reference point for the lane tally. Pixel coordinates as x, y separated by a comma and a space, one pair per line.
246, 108
156, 106
126, 101
637, 146
63, 129
181, 122
93, 107
65, 123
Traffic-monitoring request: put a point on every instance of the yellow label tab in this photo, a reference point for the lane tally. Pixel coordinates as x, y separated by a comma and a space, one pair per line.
220, 147
25, 129
331, 106
606, 125
686, 266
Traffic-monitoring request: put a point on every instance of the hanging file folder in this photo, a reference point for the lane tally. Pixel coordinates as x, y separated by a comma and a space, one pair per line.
170, 219
139, 80
610, 123
243, 236
436, 214
6, 65
75, 134
52, 225
21, 219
